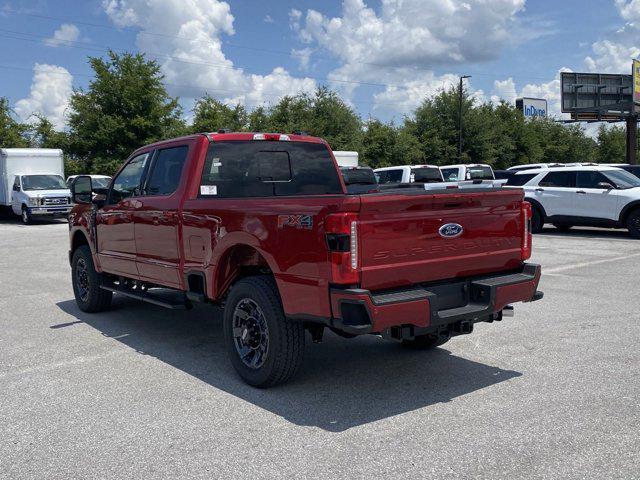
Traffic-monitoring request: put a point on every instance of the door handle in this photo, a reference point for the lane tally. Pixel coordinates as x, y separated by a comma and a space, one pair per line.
581, 192
539, 189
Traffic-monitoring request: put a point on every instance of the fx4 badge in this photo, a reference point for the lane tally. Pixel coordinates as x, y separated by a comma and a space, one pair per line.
451, 230
295, 221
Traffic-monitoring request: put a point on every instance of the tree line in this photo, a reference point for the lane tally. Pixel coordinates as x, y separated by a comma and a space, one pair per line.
126, 106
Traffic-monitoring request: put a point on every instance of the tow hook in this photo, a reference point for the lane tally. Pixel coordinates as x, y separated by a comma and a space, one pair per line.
463, 327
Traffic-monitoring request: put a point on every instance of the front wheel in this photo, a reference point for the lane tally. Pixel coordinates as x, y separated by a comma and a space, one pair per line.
25, 215
633, 224
264, 346
86, 283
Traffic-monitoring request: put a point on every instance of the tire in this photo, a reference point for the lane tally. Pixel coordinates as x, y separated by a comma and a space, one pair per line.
264, 346
25, 216
633, 224
425, 342
537, 220
562, 227
86, 283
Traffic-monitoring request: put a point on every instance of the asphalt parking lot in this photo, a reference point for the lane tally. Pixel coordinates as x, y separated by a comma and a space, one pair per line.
142, 392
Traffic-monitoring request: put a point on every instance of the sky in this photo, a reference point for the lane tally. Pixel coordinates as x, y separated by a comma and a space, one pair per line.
383, 56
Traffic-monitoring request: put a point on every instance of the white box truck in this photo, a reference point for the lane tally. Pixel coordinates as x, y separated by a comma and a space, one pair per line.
346, 159
32, 182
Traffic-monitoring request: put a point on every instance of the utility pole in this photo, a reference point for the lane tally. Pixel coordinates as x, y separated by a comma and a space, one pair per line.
460, 118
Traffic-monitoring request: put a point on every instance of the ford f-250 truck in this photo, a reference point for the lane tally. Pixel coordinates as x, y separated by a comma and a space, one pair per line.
262, 225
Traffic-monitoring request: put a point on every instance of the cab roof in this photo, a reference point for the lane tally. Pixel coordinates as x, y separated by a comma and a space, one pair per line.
589, 168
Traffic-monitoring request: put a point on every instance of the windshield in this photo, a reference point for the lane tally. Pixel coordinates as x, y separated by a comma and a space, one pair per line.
43, 182
622, 179
100, 182
358, 176
479, 173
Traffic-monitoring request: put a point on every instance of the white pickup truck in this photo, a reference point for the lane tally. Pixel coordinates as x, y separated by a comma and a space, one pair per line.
32, 183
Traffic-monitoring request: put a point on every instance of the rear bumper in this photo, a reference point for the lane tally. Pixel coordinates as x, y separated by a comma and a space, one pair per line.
427, 308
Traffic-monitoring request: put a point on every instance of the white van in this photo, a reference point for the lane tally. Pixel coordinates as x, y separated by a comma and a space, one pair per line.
32, 182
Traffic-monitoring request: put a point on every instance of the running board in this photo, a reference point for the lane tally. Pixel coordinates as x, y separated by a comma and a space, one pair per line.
149, 298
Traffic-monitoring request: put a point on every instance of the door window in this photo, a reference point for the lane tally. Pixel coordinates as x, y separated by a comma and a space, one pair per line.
558, 179
166, 171
589, 179
127, 183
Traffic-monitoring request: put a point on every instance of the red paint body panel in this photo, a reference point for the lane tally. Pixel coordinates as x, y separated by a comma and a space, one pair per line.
160, 239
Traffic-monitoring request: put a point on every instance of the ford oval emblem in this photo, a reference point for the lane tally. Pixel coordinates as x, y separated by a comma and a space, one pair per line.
451, 230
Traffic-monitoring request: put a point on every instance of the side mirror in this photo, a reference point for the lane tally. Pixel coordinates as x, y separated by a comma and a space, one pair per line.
81, 190
605, 185
16, 187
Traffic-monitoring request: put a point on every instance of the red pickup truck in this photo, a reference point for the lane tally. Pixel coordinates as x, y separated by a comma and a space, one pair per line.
263, 225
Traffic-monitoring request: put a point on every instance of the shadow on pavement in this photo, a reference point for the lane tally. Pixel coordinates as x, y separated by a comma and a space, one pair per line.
342, 383
586, 232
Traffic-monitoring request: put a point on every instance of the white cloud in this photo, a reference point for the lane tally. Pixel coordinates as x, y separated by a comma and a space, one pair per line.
49, 96
629, 10
67, 32
405, 98
504, 90
268, 19
303, 56
191, 46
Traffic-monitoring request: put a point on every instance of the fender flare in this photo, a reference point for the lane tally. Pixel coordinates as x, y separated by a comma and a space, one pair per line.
628, 208
536, 204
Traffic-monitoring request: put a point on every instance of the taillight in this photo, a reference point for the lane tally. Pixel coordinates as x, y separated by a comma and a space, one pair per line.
341, 231
526, 231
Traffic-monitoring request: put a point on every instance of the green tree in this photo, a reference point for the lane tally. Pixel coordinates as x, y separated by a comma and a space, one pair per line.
612, 144
125, 107
212, 115
13, 134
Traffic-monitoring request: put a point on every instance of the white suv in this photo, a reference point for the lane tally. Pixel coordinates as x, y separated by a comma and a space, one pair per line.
582, 195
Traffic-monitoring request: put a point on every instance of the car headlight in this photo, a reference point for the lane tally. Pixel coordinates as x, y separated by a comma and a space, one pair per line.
34, 202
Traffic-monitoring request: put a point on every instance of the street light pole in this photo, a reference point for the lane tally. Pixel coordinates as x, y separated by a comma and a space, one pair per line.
460, 118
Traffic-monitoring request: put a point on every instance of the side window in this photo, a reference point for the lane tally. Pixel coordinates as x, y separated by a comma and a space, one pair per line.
127, 183
558, 179
450, 174
166, 171
588, 179
16, 184
520, 179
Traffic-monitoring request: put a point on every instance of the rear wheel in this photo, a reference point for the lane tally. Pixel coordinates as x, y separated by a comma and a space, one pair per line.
86, 283
537, 220
264, 346
423, 342
633, 224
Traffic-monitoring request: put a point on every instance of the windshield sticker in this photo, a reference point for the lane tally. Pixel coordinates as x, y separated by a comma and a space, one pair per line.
208, 189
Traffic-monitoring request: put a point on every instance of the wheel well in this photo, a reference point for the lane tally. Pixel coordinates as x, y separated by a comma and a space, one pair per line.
238, 262
634, 207
535, 204
78, 240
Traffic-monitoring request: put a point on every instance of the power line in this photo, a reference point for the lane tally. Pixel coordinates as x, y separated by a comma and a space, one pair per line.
424, 67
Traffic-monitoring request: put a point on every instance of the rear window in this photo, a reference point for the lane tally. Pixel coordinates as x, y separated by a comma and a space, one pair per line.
479, 173
264, 169
358, 176
521, 179
389, 176
426, 174
450, 174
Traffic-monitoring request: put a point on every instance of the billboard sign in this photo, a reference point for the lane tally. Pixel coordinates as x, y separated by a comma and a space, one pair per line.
532, 107
593, 96
636, 82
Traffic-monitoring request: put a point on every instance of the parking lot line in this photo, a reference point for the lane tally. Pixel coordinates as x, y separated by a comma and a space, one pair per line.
588, 264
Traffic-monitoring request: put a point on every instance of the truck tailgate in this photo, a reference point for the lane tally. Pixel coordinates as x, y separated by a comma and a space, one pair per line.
400, 241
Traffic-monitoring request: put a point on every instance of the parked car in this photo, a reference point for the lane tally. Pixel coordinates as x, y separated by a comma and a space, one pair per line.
459, 173
98, 181
262, 225
409, 174
359, 179
632, 169
585, 196
32, 183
